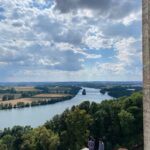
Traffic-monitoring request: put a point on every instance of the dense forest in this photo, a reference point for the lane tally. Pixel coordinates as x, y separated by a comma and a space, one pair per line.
118, 122
119, 91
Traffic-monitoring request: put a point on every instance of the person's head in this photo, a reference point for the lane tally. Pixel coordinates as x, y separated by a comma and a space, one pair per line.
91, 138
100, 140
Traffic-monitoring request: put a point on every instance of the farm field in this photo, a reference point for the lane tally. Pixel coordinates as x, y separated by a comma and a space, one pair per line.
26, 89
39, 97
25, 96
14, 102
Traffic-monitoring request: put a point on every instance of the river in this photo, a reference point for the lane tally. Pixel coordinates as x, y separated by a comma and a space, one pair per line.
36, 116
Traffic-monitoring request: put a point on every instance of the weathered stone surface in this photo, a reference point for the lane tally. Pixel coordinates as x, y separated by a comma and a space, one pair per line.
146, 72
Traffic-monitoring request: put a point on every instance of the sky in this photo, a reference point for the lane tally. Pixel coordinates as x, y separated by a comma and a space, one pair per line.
70, 40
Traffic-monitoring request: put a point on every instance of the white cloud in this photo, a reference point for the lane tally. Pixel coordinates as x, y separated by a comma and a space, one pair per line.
94, 39
127, 50
134, 16
111, 68
110, 9
35, 37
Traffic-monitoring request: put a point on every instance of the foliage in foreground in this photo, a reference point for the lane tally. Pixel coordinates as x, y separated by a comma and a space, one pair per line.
119, 122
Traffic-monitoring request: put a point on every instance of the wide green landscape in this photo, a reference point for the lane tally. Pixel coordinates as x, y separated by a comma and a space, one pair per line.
119, 121
71, 75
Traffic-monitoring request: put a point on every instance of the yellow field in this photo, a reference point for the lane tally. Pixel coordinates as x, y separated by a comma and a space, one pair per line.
51, 95
35, 98
26, 89
14, 102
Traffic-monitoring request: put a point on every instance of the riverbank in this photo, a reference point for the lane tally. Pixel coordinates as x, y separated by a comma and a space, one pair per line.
122, 116
120, 91
44, 96
31, 102
36, 116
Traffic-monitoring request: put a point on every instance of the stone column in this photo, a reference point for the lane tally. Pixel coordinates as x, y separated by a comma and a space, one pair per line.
146, 72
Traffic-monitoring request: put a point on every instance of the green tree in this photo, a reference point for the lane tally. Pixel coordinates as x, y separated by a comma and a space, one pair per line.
127, 125
3, 146
40, 139
76, 134
8, 141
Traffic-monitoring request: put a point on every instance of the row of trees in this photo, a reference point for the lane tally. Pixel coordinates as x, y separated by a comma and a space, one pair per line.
33, 103
26, 138
72, 90
10, 106
8, 97
119, 122
51, 101
119, 91
8, 90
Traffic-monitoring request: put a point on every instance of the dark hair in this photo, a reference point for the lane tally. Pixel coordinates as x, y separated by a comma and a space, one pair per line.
91, 138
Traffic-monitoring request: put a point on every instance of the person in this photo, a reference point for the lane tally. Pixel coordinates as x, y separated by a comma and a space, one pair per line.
101, 145
91, 143
96, 144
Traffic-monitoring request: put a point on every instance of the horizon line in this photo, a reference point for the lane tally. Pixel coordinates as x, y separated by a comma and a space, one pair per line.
64, 81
